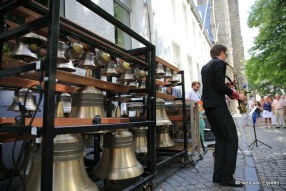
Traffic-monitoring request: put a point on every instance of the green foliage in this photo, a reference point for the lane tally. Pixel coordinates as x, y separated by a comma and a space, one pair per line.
266, 68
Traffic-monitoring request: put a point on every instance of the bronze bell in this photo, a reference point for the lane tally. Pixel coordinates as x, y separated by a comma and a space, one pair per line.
101, 58
109, 69
132, 84
30, 100
168, 73
118, 160
68, 167
175, 79
126, 77
87, 102
88, 61
22, 52
139, 74
140, 139
162, 122
34, 41
122, 67
142, 84
103, 77
59, 109
68, 66
61, 52
160, 71
74, 50
66, 100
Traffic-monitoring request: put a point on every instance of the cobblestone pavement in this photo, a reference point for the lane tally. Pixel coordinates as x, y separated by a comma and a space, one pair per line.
173, 177
270, 162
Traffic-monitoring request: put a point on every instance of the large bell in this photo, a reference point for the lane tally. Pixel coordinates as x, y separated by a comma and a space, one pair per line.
140, 139
59, 109
22, 52
87, 102
101, 58
67, 66
160, 71
61, 53
88, 61
163, 138
68, 167
118, 160
110, 69
30, 102
34, 41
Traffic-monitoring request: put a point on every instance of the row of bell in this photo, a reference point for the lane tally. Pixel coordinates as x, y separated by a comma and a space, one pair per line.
161, 73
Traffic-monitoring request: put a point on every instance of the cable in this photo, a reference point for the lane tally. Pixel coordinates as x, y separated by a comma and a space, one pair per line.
25, 131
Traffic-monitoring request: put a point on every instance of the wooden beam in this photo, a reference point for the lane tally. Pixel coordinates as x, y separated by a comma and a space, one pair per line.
165, 96
167, 64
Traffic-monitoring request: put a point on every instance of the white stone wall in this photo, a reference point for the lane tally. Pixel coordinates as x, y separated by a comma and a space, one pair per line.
91, 21
171, 23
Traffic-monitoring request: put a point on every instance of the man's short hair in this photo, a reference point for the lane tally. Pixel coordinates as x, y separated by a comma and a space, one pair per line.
216, 50
195, 83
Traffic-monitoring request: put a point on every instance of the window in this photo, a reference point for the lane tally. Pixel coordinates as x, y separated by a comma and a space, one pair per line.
122, 13
176, 55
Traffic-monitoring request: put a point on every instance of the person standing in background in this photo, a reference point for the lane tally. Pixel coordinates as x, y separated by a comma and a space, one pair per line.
267, 111
168, 89
193, 94
278, 111
219, 117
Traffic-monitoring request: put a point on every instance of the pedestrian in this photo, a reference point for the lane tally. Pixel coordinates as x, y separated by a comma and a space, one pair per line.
267, 111
168, 89
257, 111
219, 117
193, 94
278, 111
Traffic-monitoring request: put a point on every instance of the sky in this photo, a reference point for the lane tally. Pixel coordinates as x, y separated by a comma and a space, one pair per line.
247, 33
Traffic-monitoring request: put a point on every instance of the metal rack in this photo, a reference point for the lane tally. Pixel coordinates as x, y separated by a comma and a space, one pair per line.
183, 153
56, 25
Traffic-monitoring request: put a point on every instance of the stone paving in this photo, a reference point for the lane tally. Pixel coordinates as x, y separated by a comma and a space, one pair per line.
270, 162
262, 168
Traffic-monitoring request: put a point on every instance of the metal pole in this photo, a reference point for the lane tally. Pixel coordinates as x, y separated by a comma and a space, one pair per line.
184, 110
49, 98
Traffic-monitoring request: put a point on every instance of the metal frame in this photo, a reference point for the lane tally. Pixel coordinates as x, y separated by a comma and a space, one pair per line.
52, 16
174, 154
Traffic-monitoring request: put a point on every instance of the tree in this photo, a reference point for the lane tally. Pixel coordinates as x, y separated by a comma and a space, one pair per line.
266, 68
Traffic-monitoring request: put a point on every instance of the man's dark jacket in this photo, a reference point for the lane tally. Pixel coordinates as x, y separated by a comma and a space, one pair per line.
214, 87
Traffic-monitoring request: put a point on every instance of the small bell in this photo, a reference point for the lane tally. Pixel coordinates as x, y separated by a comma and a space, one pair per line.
160, 71
74, 50
30, 102
122, 67
126, 77
22, 52
139, 74
142, 84
168, 73
34, 41
61, 53
59, 109
88, 61
68, 66
109, 69
101, 58
175, 79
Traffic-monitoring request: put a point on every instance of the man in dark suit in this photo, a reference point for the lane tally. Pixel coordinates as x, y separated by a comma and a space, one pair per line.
219, 117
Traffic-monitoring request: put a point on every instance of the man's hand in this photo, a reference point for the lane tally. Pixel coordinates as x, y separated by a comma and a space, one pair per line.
241, 97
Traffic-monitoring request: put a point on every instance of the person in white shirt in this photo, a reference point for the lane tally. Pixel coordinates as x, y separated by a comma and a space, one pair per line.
193, 93
278, 108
